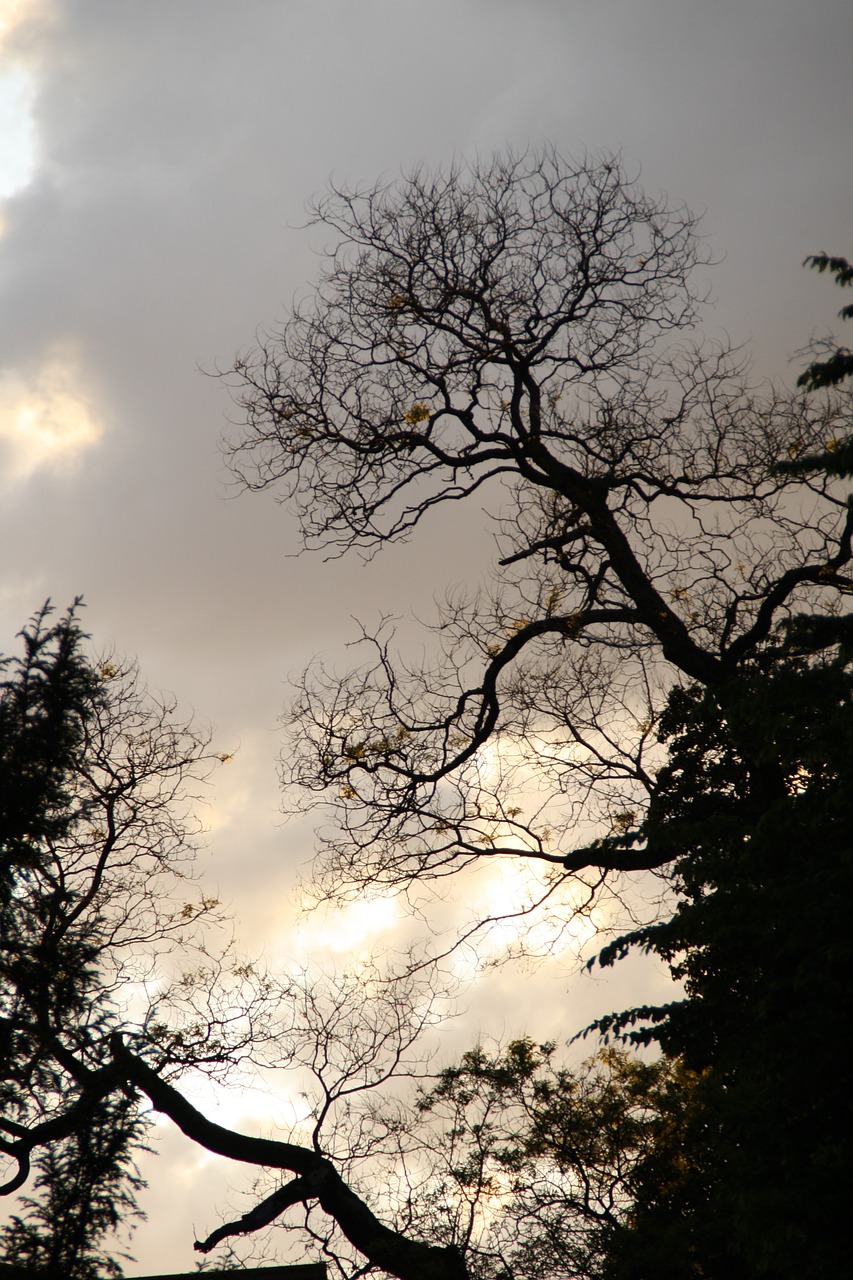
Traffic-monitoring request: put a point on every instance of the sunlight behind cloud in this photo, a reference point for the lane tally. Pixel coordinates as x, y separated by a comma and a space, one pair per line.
17, 130
45, 424
17, 90
350, 930
11, 13
559, 928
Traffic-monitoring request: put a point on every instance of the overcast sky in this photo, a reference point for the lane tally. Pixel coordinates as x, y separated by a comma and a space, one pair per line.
156, 161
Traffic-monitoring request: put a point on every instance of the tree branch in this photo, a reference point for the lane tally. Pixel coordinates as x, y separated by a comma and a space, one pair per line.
262, 1215
393, 1252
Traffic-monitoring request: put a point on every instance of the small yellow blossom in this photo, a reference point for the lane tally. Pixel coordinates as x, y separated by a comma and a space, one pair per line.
417, 413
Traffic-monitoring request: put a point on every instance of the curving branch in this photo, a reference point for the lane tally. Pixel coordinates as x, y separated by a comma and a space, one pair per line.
299, 1191
317, 1179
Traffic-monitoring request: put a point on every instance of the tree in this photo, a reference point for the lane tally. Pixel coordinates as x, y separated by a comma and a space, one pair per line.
531, 1166
511, 328
836, 458
664, 526
755, 862
88, 1184
96, 838
839, 364
763, 868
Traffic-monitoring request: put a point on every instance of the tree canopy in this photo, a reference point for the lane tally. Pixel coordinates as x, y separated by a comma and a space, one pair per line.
519, 329
763, 871
674, 563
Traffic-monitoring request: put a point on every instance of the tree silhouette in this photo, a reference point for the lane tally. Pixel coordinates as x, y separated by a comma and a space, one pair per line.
516, 329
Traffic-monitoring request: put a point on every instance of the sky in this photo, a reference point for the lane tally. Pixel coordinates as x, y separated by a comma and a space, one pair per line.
155, 164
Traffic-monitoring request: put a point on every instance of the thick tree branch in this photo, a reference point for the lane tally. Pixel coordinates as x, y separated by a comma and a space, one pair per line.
393, 1252
788, 582
626, 851
611, 859
295, 1192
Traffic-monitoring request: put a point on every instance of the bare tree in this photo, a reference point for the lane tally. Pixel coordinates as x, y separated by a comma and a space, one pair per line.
516, 328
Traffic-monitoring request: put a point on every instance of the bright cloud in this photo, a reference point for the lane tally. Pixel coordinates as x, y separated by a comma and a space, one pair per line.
44, 423
351, 930
11, 13
17, 127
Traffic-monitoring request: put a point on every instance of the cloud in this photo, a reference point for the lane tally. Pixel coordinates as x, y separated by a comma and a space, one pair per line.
17, 128
13, 13
44, 423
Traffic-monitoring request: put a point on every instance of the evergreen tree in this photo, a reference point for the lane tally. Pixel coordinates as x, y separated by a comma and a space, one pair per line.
86, 1187
88, 766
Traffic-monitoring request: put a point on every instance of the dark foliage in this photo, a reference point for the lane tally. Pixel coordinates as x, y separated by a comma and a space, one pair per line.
754, 805
91, 774
838, 366
87, 1185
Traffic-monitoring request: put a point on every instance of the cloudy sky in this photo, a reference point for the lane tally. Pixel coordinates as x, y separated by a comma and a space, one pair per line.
155, 163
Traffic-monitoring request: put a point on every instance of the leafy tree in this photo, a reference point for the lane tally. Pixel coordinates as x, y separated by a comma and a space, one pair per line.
836, 458
531, 1166
754, 804
839, 364
43, 713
